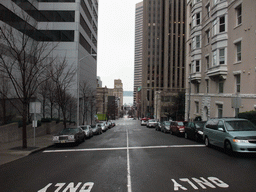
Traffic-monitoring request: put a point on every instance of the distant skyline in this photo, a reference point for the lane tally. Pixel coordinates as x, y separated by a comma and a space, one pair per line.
116, 30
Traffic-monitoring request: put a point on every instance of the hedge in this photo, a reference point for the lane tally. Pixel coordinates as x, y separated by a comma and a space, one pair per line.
250, 115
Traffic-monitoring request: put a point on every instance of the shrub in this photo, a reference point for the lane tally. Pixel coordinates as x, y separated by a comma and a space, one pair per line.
250, 115
45, 120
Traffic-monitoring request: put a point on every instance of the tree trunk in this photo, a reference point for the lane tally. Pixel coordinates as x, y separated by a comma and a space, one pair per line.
4, 111
51, 110
24, 126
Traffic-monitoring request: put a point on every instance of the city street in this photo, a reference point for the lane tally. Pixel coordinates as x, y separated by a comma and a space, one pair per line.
130, 157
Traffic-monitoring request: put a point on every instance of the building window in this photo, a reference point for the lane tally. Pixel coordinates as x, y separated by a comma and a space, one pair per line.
214, 27
207, 36
220, 110
207, 85
198, 19
239, 14
197, 65
238, 51
207, 62
197, 86
222, 56
208, 10
214, 58
221, 86
222, 24
197, 106
198, 41
238, 83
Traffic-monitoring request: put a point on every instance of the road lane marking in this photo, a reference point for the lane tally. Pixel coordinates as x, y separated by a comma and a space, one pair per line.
129, 185
202, 182
122, 148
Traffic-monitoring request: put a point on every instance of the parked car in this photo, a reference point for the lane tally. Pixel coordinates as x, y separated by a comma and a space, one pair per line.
158, 126
113, 124
103, 126
109, 124
69, 135
177, 127
165, 127
151, 123
143, 122
194, 130
87, 130
232, 134
96, 129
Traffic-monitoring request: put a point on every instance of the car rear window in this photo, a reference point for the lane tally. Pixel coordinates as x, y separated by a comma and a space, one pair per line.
69, 130
180, 123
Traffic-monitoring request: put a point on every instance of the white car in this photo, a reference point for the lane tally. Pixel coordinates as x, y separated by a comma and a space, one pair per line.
143, 122
152, 123
103, 126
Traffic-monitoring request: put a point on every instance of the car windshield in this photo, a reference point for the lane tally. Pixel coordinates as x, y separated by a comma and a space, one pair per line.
69, 131
199, 125
180, 123
240, 126
152, 120
85, 128
93, 126
167, 122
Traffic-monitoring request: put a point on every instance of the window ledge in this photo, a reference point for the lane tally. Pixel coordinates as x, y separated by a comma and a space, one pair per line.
237, 62
238, 25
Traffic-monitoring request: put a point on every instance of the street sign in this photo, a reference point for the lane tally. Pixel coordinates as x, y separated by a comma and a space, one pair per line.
34, 123
236, 102
35, 107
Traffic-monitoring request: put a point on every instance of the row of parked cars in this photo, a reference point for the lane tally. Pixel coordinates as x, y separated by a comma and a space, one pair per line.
79, 134
231, 134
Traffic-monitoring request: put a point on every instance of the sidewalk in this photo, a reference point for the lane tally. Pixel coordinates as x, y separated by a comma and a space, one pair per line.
13, 150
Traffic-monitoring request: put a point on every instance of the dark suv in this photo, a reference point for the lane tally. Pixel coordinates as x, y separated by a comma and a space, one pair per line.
232, 134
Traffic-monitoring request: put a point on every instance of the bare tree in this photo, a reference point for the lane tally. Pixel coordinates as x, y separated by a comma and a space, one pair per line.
92, 103
85, 93
43, 92
51, 96
24, 60
62, 75
6, 112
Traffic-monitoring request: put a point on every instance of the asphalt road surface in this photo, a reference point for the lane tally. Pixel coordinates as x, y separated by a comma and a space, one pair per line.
130, 157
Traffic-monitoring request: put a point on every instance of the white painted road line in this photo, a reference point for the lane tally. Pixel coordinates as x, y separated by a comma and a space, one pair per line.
129, 185
82, 150
121, 148
166, 146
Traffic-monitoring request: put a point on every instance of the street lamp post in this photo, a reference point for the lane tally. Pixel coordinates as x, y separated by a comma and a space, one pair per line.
78, 87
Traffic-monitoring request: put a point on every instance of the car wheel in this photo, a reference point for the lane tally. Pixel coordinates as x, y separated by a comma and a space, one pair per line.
206, 142
171, 132
228, 148
186, 135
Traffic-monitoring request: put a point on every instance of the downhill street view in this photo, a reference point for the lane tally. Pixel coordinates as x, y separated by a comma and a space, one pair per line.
127, 95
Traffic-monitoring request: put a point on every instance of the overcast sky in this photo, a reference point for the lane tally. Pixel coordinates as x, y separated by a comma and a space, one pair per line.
116, 26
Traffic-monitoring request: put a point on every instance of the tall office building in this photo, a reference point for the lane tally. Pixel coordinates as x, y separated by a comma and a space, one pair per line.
163, 66
138, 49
69, 24
221, 58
